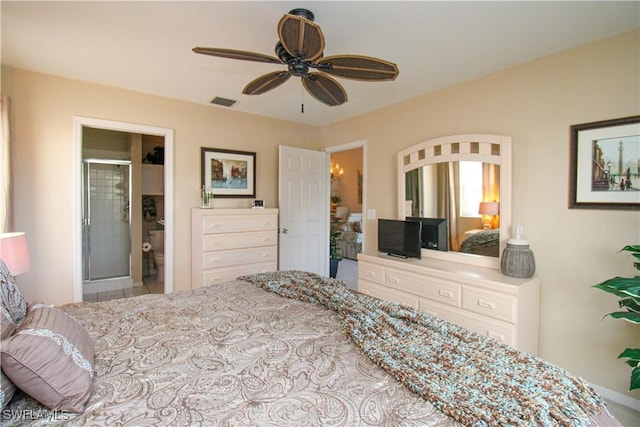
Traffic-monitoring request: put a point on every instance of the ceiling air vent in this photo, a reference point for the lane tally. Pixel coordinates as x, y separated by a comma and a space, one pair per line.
223, 101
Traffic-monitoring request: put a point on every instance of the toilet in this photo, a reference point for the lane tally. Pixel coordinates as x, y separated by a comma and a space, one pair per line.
156, 238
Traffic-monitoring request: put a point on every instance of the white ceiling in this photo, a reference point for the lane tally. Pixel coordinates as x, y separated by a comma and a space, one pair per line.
146, 46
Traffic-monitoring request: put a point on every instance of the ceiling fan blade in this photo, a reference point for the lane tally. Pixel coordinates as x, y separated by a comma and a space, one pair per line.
324, 89
266, 82
358, 67
237, 54
301, 37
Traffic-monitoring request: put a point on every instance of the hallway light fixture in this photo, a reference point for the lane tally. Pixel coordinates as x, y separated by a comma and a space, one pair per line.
336, 170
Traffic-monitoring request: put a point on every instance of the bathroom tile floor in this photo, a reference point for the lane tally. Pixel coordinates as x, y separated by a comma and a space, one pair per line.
151, 286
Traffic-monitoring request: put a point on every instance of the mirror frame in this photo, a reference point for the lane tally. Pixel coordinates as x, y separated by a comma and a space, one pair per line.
485, 148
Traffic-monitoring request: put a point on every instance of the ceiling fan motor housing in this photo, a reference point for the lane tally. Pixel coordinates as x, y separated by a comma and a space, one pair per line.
307, 14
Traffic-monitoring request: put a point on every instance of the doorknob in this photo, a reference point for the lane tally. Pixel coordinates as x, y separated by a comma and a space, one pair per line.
284, 231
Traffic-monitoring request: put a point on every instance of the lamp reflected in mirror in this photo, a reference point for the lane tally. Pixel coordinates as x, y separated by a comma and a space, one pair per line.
488, 210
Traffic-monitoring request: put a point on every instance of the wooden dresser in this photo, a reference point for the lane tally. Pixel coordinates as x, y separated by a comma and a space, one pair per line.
477, 298
227, 243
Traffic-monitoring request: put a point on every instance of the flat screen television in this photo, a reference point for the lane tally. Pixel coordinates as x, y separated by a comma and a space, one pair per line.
435, 234
399, 238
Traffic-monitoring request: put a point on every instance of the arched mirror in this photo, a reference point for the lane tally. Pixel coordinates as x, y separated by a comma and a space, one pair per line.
460, 187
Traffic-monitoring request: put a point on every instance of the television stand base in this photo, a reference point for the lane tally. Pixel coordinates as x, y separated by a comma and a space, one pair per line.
398, 256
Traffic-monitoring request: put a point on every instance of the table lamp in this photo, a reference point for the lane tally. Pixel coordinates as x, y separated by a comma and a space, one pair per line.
14, 252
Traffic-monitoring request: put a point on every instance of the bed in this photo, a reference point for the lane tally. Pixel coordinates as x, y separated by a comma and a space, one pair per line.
483, 242
285, 348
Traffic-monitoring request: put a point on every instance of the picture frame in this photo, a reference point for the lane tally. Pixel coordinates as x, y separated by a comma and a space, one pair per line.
228, 173
604, 165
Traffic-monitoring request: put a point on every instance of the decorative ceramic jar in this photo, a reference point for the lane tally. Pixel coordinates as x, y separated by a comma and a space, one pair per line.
517, 258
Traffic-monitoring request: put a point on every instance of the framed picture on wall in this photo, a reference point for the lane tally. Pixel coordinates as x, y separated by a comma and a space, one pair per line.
229, 173
604, 169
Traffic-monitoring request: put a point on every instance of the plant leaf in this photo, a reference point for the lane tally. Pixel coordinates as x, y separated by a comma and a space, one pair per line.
635, 378
629, 316
631, 353
632, 304
631, 248
621, 286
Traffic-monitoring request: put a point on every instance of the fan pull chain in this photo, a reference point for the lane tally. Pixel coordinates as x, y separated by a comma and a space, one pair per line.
301, 100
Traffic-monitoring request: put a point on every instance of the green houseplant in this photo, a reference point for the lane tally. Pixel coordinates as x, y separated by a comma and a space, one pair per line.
334, 256
628, 290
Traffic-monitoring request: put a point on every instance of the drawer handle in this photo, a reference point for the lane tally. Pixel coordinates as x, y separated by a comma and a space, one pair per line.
486, 304
446, 294
370, 273
394, 280
214, 260
496, 336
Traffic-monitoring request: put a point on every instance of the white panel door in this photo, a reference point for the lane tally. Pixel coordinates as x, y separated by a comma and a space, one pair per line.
303, 200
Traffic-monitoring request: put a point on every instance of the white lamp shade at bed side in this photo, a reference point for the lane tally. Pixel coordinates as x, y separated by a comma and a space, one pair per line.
14, 252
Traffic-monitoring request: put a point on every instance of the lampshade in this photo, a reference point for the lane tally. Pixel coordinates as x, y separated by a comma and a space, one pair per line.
489, 208
14, 252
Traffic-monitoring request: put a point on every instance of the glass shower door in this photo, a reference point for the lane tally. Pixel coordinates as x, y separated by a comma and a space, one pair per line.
106, 224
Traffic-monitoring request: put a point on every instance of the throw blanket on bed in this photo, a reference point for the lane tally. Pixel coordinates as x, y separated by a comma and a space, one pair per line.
472, 378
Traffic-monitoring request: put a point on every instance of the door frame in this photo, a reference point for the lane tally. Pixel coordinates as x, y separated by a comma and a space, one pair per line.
78, 123
350, 146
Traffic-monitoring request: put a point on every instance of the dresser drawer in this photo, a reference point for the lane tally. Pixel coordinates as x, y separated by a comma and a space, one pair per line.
233, 223
220, 275
433, 288
371, 272
489, 304
387, 294
239, 256
503, 332
218, 242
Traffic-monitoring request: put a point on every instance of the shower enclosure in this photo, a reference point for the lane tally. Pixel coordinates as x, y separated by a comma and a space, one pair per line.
106, 231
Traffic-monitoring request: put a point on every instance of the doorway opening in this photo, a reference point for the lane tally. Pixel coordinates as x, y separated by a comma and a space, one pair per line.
348, 202
125, 200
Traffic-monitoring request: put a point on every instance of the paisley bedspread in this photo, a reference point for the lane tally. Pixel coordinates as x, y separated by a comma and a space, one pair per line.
229, 355
232, 354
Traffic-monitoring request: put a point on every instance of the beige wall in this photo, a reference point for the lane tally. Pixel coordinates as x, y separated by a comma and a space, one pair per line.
535, 104
43, 111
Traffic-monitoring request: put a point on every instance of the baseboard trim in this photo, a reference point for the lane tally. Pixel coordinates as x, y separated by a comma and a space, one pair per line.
619, 398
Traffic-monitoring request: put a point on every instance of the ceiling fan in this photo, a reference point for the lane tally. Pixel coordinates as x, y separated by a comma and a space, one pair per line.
300, 48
